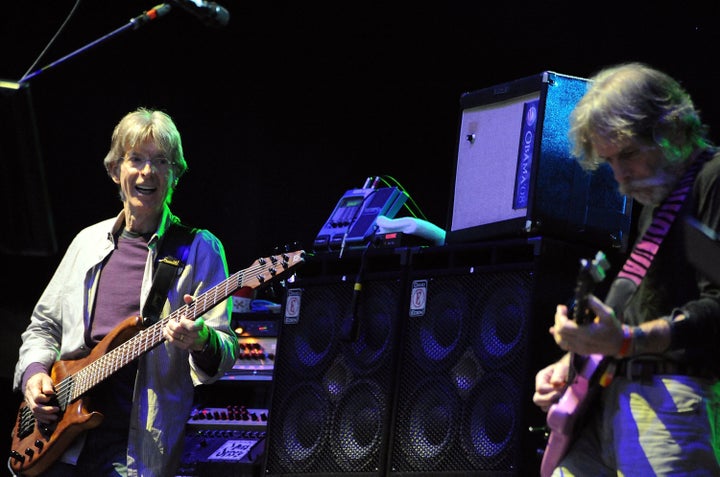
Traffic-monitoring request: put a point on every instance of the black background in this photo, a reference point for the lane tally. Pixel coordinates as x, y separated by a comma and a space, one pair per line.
293, 103
290, 105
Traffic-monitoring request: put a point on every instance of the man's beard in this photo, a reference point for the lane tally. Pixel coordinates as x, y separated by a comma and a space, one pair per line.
652, 190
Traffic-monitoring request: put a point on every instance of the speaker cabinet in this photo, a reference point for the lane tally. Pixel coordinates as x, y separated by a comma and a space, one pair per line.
514, 176
440, 378
332, 394
475, 335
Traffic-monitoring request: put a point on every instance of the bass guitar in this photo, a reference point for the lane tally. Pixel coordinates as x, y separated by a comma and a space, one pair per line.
36, 446
587, 374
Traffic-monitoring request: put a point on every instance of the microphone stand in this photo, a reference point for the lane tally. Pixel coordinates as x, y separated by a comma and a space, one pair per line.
134, 23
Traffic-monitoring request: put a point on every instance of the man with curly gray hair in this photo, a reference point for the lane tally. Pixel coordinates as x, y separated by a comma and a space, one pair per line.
650, 357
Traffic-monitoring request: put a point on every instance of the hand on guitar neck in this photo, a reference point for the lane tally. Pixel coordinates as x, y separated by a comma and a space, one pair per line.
603, 334
566, 388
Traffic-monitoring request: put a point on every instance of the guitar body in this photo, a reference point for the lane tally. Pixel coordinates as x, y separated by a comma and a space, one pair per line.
36, 446
585, 375
563, 416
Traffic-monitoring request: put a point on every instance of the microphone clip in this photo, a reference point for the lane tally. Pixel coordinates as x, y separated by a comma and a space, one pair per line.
210, 13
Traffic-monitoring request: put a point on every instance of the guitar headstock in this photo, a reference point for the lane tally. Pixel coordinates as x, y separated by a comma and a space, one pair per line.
265, 269
591, 273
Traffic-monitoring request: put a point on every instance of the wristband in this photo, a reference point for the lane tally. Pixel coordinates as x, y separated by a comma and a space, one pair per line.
639, 341
626, 342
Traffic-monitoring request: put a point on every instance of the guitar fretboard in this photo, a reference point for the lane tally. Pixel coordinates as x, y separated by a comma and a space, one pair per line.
74, 386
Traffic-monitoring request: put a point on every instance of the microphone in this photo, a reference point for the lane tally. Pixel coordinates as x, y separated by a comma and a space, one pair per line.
155, 12
210, 13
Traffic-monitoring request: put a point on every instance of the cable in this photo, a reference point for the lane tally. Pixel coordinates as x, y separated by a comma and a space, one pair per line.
415, 211
52, 40
350, 328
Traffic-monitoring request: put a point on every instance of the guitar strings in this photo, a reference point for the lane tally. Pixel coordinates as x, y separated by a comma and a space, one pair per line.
76, 385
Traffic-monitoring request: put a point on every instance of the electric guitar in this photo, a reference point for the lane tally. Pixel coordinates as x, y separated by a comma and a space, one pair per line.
36, 446
587, 374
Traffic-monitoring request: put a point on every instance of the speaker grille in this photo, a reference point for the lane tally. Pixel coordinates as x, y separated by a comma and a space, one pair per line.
331, 398
439, 382
463, 363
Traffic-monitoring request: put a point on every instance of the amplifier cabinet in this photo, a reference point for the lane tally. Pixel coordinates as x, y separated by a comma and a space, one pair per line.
474, 335
513, 174
438, 380
332, 391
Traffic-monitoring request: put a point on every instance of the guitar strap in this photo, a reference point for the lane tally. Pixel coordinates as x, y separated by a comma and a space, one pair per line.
643, 253
174, 249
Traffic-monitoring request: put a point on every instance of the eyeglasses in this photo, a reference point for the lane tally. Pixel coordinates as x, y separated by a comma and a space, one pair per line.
159, 163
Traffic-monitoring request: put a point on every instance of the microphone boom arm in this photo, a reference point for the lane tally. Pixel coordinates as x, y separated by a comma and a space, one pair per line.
134, 23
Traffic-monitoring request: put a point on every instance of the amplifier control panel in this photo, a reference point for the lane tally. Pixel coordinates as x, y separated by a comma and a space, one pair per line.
256, 361
230, 417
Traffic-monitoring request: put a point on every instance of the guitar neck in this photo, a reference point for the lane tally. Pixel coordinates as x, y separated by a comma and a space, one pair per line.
261, 272
150, 337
